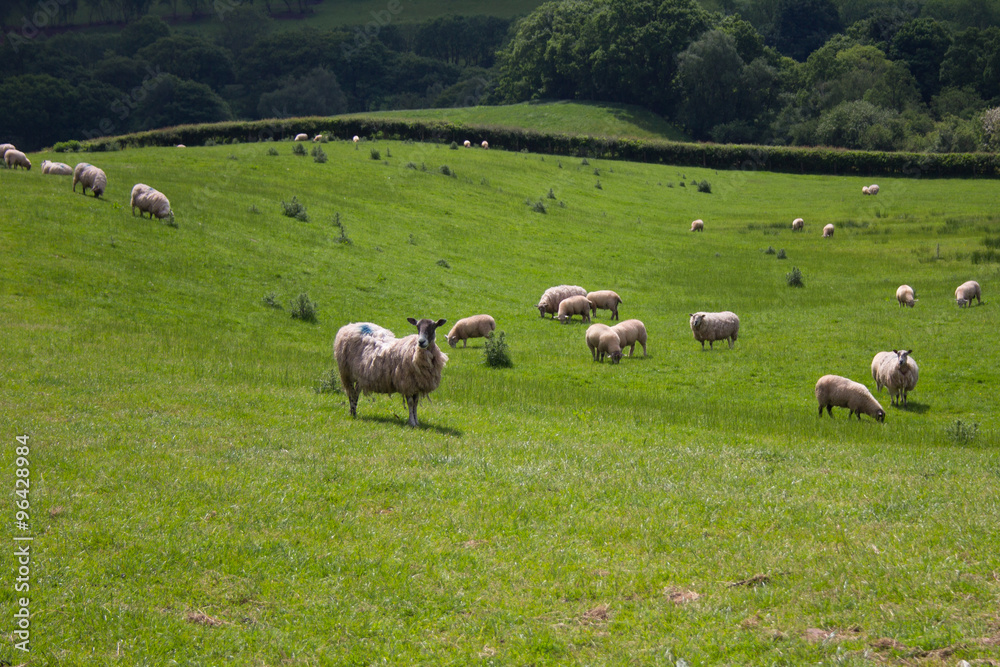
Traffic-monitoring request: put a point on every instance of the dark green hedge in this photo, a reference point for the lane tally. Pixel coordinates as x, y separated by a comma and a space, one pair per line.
715, 156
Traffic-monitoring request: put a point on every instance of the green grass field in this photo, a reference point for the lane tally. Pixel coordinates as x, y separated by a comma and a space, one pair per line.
194, 499
591, 118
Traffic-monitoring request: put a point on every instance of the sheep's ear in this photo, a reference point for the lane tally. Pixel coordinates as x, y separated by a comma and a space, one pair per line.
441, 323
411, 321
909, 351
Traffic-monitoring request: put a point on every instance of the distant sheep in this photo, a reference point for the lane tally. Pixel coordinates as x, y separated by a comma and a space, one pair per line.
180, 146
798, 224
56, 168
724, 325
698, 226
864, 190
4, 148
553, 296
14, 158
149, 200
477, 326
356, 139
904, 295
302, 137
467, 143
873, 189
573, 305
605, 300
828, 231
629, 333
593, 337
836, 391
898, 372
968, 291
318, 138
371, 359
485, 144
91, 177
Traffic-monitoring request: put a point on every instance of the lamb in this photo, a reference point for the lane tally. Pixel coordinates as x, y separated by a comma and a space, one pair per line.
91, 177
629, 333
593, 337
485, 144
904, 295
605, 300
609, 345
698, 226
836, 391
56, 168
302, 136
897, 372
715, 326
477, 326
371, 359
14, 158
574, 305
467, 143
966, 292
828, 231
798, 224
549, 303
149, 200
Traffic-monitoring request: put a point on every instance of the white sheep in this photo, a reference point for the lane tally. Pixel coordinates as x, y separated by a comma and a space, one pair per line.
551, 298
593, 337
150, 200
477, 326
609, 344
968, 291
864, 190
798, 224
485, 144
3, 151
180, 146
904, 295
467, 143
356, 139
573, 305
14, 158
604, 299
302, 136
91, 177
828, 231
898, 372
873, 189
56, 168
318, 138
836, 391
724, 325
698, 226
629, 333
372, 360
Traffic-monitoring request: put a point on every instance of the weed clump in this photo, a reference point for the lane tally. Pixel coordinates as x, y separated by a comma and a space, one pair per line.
343, 238
538, 206
794, 278
454, 146
781, 254
272, 151
443, 263
446, 170
319, 155
551, 194
303, 308
375, 154
293, 209
298, 149
770, 251
962, 433
705, 187
271, 301
598, 185
496, 352
411, 165
328, 383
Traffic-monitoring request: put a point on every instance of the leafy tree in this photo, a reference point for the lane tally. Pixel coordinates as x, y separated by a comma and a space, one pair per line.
922, 45
141, 33
241, 27
748, 42
879, 27
805, 25
859, 124
191, 57
316, 94
964, 13
709, 73
973, 59
174, 101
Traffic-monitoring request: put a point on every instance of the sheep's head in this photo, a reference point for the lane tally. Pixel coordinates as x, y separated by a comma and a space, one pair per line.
452, 340
902, 356
541, 309
697, 319
425, 331
880, 415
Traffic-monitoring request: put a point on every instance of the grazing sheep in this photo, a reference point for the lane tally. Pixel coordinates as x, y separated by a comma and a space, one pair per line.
477, 326
593, 336
356, 139
968, 291
629, 333
864, 190
91, 177
56, 168
836, 391
372, 360
573, 305
877, 362
467, 143
14, 158
149, 200
698, 226
553, 296
873, 189
828, 231
715, 326
604, 299
318, 138
897, 372
485, 144
302, 136
904, 295
798, 224
180, 146
609, 345
4, 148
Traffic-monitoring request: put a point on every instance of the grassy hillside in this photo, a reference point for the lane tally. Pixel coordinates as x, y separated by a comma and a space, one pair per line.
591, 118
196, 496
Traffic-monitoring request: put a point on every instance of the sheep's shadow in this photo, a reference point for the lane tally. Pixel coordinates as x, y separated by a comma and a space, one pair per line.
423, 426
917, 408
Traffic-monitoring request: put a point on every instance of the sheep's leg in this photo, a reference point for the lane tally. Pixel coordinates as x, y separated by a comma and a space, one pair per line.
631, 350
352, 396
411, 401
465, 343
731, 342
644, 349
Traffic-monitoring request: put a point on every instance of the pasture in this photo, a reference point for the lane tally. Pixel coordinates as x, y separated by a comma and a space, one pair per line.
199, 495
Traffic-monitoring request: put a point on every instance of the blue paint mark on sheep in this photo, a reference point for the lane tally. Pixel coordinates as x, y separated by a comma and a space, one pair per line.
365, 330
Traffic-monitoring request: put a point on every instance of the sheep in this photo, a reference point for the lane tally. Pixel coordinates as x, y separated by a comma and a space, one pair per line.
724, 325
477, 326
864, 190
698, 226
904, 295
14, 158
609, 345
897, 372
467, 143
593, 337
573, 305
56, 168
318, 138
873, 189
836, 391
798, 224
356, 139
549, 303
3, 151
828, 231
966, 292
605, 300
91, 177
631, 332
302, 136
485, 144
180, 146
371, 359
149, 200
